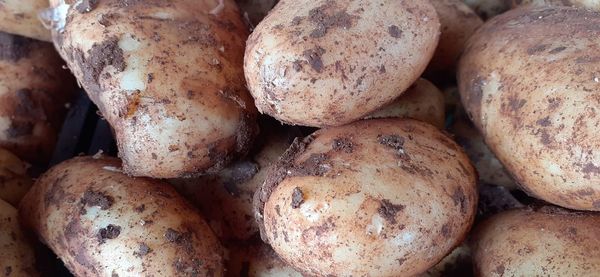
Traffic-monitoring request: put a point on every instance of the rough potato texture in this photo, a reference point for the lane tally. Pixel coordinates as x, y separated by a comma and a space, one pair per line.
422, 101
459, 22
382, 197
488, 8
34, 89
326, 63
14, 182
17, 257
167, 75
21, 17
538, 242
590, 4
256, 259
530, 81
101, 222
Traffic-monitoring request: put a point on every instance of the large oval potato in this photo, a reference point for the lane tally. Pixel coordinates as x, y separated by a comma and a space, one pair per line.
422, 101
591, 4
325, 63
101, 222
543, 242
14, 182
256, 259
21, 17
167, 76
34, 89
17, 257
381, 197
535, 99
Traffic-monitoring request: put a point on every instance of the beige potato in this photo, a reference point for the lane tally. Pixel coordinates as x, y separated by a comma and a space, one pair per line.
14, 182
34, 89
381, 197
255, 10
591, 4
101, 222
422, 101
167, 76
535, 99
21, 17
328, 63
488, 8
256, 259
538, 242
17, 257
458, 23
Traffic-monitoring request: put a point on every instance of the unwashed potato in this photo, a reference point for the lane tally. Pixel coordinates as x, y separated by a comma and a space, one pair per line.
325, 63
14, 182
459, 22
542, 242
422, 101
225, 198
101, 222
535, 99
167, 76
255, 10
489, 168
17, 257
488, 8
257, 259
381, 197
21, 17
591, 4
34, 89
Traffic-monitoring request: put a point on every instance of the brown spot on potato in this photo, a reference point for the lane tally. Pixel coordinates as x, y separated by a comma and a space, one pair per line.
326, 17
589, 169
500, 270
388, 210
557, 50
537, 49
109, 232
394, 31
313, 56
95, 198
343, 144
313, 166
143, 250
101, 55
460, 200
446, 230
544, 122
297, 198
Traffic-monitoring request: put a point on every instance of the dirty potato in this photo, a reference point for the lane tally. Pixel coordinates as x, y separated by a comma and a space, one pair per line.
256, 259
14, 182
539, 117
21, 17
381, 197
328, 63
34, 89
488, 8
590, 4
167, 76
101, 222
422, 101
17, 257
538, 242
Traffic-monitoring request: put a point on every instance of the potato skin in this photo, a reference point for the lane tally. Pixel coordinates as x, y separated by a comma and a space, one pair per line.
537, 242
21, 17
34, 89
17, 257
458, 23
167, 75
14, 182
340, 202
101, 222
307, 63
554, 115
422, 101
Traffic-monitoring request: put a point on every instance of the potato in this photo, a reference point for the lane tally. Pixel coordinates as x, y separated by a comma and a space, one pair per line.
34, 89
591, 4
21, 17
255, 10
422, 101
225, 198
381, 197
308, 62
17, 257
101, 222
256, 259
14, 182
490, 170
488, 8
459, 22
538, 242
167, 76
536, 99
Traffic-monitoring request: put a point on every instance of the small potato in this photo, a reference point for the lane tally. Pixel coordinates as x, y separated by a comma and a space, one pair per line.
14, 182
101, 222
34, 89
17, 257
590, 4
459, 22
380, 197
535, 99
255, 10
422, 101
21, 17
538, 242
167, 76
257, 259
488, 8
328, 63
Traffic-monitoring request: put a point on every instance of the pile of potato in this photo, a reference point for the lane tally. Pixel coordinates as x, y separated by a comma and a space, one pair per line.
397, 138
